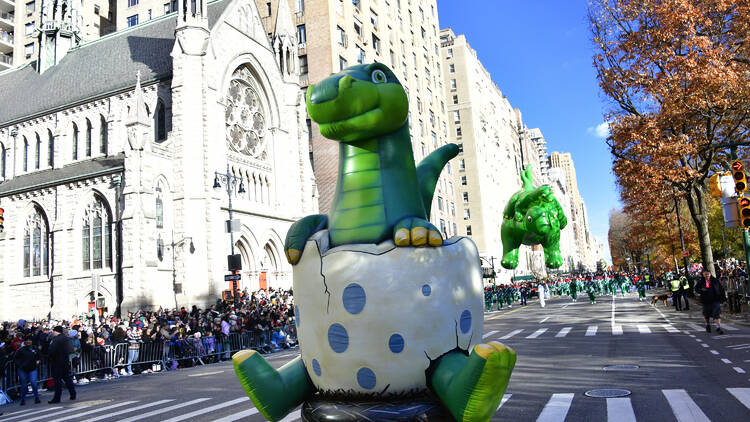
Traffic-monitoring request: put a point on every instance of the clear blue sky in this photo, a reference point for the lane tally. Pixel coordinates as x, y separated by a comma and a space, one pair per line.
539, 54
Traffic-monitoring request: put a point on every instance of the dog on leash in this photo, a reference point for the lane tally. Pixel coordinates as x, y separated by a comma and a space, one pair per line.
662, 298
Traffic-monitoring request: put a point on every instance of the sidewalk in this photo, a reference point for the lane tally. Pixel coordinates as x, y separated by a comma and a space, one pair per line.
695, 311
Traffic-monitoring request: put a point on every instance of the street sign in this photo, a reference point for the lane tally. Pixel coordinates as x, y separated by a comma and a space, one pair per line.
232, 277
232, 226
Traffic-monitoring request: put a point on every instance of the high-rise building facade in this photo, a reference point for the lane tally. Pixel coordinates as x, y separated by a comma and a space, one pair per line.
22, 23
403, 34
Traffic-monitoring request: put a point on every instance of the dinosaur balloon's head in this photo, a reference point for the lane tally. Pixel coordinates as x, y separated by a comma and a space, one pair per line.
544, 217
360, 102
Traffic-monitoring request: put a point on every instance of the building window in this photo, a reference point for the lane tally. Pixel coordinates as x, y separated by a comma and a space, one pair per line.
167, 8
75, 141
50, 149
160, 122
268, 8
96, 10
38, 153
455, 99
133, 20
149, 14
301, 34
434, 139
442, 227
356, 4
29, 29
453, 84
456, 116
88, 138
159, 207
449, 53
393, 59
342, 63
25, 154
376, 43
452, 68
468, 230
466, 197
340, 7
464, 182
360, 55
341, 35
300, 5
461, 164
358, 27
96, 236
461, 148
132, 3
467, 214
303, 64
2, 160
28, 50
424, 150
30, 8
459, 133
374, 19
36, 245
440, 203
103, 136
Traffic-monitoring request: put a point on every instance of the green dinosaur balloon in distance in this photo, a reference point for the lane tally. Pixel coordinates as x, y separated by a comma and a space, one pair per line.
532, 217
380, 195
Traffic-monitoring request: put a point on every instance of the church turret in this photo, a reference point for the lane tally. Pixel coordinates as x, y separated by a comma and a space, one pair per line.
284, 42
192, 27
58, 32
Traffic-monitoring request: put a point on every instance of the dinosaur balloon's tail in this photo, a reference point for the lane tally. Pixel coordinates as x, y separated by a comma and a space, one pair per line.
429, 170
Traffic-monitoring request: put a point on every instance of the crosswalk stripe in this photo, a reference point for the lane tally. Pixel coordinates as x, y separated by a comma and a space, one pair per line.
511, 334
643, 329
25, 413
725, 360
738, 369
591, 331
129, 410
489, 334
683, 407
670, 328
696, 327
163, 410
537, 333
729, 327
58, 413
741, 394
207, 409
101, 409
502, 402
556, 408
292, 416
564, 332
237, 416
714, 352
617, 330
620, 410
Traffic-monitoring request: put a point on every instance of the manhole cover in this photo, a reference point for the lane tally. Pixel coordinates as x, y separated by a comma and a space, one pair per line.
89, 403
607, 393
621, 367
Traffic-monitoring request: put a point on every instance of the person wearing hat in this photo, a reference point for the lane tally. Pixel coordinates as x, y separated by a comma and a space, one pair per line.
60, 349
27, 359
712, 295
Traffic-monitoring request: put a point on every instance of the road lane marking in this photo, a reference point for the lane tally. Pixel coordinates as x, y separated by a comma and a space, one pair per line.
696, 327
643, 329
564, 332
237, 416
620, 410
217, 372
739, 346
699, 340
292, 416
670, 328
164, 410
26, 413
612, 322
591, 331
132, 409
739, 370
207, 409
101, 409
58, 413
741, 394
511, 334
502, 402
725, 360
537, 333
714, 352
542, 321
505, 313
704, 345
617, 330
729, 327
683, 407
556, 408
489, 334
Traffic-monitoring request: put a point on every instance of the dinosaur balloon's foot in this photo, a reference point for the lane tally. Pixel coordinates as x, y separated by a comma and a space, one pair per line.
471, 387
413, 231
275, 393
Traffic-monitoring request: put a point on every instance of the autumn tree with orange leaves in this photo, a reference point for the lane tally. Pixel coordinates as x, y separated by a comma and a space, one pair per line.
677, 77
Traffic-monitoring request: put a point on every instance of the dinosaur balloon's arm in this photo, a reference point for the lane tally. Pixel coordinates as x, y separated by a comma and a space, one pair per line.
298, 234
429, 170
510, 208
561, 214
526, 179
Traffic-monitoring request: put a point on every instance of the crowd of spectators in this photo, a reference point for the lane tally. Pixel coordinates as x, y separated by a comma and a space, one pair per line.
265, 316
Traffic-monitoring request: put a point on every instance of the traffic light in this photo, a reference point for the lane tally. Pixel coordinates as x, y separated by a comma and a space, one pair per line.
738, 174
744, 205
714, 185
2, 220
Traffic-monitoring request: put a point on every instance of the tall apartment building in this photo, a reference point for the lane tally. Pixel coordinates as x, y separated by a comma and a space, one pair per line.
21, 24
132, 12
403, 34
491, 136
568, 247
577, 215
535, 135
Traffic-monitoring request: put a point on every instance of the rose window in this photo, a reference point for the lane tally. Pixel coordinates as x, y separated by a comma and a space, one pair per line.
246, 124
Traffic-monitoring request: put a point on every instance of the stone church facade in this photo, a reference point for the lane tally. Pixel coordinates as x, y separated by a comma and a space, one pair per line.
115, 157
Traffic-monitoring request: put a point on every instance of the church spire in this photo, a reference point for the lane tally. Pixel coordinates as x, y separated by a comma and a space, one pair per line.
284, 42
59, 31
138, 122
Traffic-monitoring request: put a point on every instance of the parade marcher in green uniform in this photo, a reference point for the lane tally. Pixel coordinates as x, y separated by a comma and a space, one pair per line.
641, 285
488, 298
590, 289
676, 287
574, 290
684, 293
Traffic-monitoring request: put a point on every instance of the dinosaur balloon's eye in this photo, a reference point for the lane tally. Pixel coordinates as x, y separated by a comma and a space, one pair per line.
378, 76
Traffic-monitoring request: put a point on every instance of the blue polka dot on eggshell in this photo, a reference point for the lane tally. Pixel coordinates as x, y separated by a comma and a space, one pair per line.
316, 367
426, 290
465, 322
366, 378
396, 343
354, 298
338, 338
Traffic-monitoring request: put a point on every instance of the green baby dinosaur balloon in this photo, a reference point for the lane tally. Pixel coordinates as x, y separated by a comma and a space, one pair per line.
532, 217
380, 193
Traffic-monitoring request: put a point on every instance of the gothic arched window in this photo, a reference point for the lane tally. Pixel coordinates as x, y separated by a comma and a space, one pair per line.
245, 117
50, 149
103, 136
96, 236
159, 207
25, 154
38, 153
88, 138
36, 245
2, 160
160, 122
75, 141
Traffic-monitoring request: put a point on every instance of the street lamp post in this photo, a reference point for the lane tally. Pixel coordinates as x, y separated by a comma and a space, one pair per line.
230, 181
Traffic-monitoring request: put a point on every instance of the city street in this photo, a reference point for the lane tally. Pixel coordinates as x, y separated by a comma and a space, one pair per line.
682, 374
